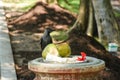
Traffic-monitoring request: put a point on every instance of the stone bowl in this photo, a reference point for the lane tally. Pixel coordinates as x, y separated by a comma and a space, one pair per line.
88, 70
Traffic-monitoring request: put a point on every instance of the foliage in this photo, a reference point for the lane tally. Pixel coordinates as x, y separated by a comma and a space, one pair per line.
27, 4
19, 1
71, 5
117, 14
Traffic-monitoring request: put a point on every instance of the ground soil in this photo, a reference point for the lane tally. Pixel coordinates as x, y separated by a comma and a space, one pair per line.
25, 41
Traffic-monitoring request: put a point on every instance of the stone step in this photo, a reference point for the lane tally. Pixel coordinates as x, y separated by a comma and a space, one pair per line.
7, 69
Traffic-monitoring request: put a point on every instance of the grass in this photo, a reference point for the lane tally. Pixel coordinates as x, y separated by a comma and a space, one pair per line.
24, 8
117, 14
19, 1
71, 5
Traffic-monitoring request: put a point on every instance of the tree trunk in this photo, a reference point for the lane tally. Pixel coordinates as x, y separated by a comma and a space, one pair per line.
81, 23
106, 25
90, 23
108, 29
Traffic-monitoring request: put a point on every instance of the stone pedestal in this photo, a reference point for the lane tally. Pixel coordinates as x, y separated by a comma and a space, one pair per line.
88, 70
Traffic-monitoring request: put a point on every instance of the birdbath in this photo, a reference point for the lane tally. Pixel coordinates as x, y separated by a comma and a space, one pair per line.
87, 70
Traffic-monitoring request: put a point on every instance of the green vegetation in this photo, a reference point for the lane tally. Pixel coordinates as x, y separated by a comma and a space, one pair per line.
19, 1
71, 5
26, 4
117, 14
26, 8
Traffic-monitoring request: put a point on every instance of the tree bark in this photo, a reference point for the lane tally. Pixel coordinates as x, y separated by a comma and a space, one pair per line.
81, 24
108, 29
106, 25
90, 22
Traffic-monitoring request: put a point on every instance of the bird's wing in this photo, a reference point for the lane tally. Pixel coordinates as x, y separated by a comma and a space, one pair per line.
41, 41
49, 40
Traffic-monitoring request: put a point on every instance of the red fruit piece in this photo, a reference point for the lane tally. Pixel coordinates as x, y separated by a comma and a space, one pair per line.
83, 54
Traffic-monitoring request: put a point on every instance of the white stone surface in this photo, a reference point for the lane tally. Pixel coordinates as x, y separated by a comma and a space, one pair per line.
7, 69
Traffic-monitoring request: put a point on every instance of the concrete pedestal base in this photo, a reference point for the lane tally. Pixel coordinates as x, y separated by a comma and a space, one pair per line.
70, 71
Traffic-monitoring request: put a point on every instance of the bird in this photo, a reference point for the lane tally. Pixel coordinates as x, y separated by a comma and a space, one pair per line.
46, 38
